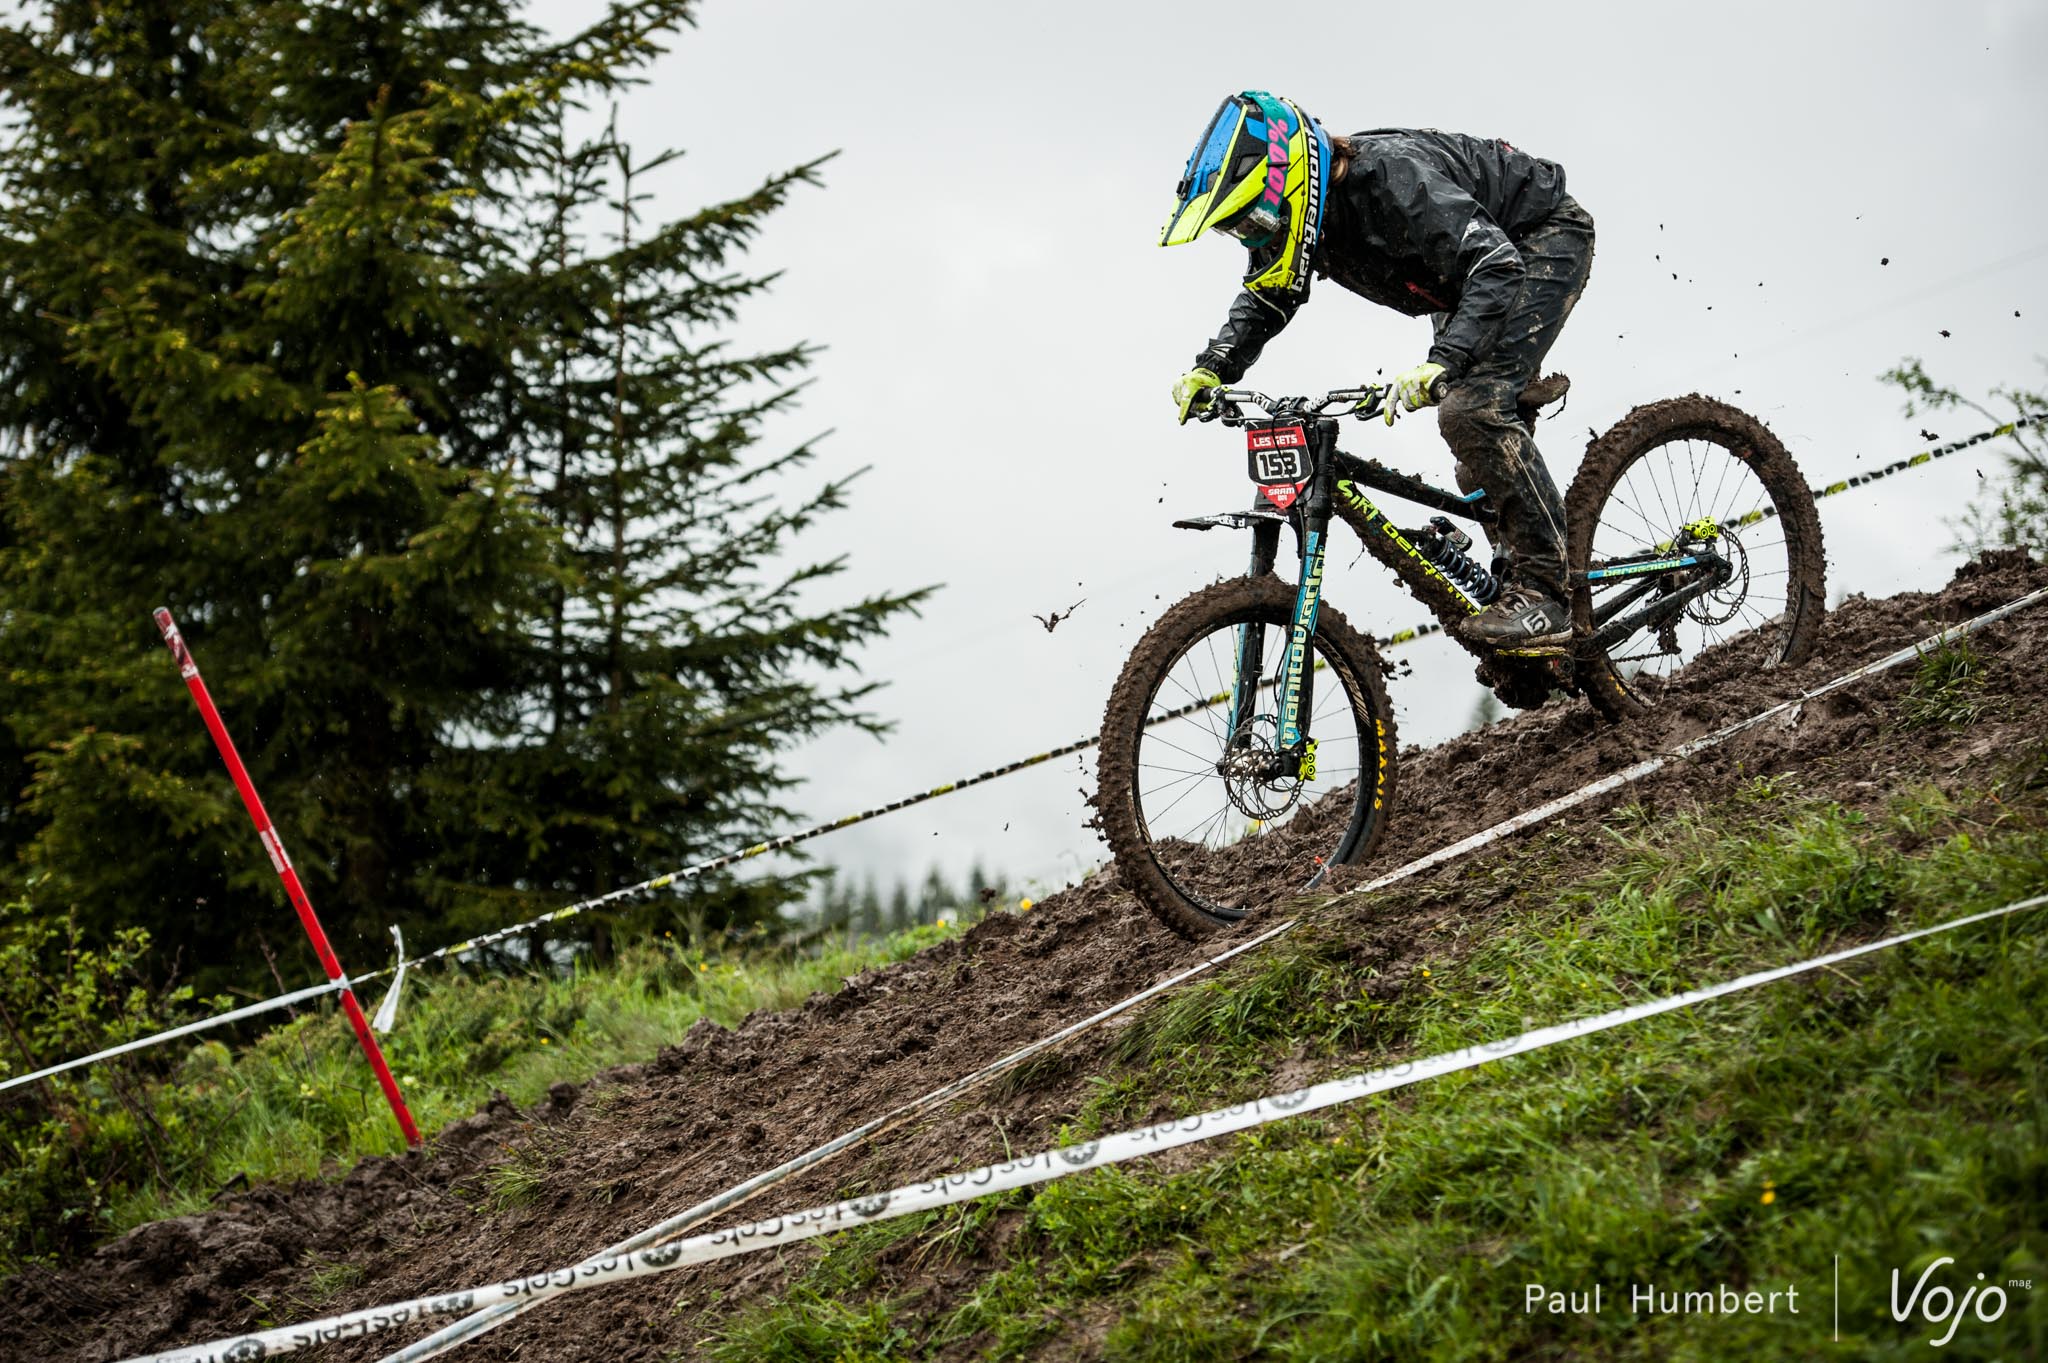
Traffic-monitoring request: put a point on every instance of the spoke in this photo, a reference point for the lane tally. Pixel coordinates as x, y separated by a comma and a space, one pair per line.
1179, 777
1193, 756
1152, 818
1220, 823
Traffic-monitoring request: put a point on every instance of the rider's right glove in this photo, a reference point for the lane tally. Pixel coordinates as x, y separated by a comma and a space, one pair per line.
1412, 388
1188, 390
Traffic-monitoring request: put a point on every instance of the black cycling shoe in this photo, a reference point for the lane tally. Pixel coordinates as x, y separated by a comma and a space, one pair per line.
1521, 621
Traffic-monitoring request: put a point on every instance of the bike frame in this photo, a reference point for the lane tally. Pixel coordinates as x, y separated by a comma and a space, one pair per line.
1338, 477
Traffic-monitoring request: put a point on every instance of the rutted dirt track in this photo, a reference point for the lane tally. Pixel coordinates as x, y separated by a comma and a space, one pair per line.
643, 1142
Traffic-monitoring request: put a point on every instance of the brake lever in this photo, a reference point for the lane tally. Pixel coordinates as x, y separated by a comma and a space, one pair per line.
1376, 405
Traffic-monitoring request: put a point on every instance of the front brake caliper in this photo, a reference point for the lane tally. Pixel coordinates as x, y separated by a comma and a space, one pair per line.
1307, 771
1704, 531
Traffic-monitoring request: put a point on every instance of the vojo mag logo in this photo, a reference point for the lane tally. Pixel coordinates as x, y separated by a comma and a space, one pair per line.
1939, 1306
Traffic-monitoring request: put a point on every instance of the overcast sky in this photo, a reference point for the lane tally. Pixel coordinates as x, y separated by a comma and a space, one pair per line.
988, 232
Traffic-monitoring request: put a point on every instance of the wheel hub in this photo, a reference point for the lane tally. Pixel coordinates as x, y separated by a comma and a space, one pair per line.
1259, 779
1718, 605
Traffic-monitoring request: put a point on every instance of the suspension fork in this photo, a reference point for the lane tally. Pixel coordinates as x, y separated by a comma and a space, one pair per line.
1251, 639
1297, 677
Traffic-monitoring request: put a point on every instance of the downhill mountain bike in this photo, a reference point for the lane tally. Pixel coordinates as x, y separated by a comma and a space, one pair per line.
1248, 745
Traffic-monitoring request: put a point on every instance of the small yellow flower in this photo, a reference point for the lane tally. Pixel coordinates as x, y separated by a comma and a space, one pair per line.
543, 1041
1425, 972
1768, 1198
1024, 904
942, 922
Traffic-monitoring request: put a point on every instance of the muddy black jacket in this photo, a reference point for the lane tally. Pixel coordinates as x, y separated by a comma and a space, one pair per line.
1424, 222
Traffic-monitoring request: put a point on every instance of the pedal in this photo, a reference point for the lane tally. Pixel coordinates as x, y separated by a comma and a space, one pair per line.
1552, 664
1230, 520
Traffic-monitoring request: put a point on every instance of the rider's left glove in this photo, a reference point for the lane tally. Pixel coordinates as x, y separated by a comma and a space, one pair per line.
1189, 388
1412, 388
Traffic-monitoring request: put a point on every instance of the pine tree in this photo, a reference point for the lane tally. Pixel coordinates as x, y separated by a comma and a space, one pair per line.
303, 339
869, 920
675, 664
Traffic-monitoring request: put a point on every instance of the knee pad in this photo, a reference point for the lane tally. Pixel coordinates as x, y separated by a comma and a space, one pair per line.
1481, 409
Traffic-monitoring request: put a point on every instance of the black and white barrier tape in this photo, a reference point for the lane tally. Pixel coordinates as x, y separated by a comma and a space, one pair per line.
499, 1313
189, 1029
387, 1013
1608, 784
1043, 1167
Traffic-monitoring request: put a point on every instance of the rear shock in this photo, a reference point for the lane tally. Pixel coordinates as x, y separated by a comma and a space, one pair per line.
1444, 545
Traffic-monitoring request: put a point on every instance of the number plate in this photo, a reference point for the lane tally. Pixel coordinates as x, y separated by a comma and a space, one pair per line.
1277, 455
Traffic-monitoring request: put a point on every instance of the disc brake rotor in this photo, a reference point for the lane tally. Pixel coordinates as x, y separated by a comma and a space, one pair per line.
1718, 607
1253, 774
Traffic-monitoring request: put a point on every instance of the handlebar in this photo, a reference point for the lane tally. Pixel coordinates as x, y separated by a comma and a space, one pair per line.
1227, 404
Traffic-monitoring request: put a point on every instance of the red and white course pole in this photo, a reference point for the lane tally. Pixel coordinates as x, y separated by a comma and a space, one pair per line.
294, 891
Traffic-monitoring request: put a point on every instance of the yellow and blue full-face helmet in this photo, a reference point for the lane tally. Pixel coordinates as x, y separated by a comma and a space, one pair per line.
1259, 174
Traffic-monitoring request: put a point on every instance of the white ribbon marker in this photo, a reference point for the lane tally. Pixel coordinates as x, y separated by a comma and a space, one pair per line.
1016, 1173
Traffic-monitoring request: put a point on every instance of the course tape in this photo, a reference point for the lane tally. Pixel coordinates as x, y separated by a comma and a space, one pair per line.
1928, 456
1628, 775
788, 840
1083, 744
1834, 489
189, 1029
1043, 1167
500, 1313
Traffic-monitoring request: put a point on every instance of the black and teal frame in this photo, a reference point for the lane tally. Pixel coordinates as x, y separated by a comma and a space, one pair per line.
1661, 582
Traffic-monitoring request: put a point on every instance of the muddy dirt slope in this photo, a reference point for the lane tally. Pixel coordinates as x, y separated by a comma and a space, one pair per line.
642, 1142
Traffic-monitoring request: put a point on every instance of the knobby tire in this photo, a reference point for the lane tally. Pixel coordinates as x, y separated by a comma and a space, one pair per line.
1354, 665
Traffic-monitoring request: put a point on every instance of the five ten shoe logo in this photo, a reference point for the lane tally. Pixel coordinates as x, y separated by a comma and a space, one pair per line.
1938, 1305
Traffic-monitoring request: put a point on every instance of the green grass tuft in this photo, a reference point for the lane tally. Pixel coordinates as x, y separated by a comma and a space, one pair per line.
1883, 1113
298, 1103
1948, 687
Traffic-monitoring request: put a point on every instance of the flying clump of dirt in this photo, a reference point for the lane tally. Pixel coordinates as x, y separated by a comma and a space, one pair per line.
641, 1142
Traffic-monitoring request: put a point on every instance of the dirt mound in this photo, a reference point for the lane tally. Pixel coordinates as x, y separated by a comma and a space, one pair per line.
642, 1142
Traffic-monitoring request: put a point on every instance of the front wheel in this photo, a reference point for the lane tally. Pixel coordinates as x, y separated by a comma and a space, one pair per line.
1208, 824
1691, 476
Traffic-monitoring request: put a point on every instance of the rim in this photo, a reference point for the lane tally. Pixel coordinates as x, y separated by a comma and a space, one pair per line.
1684, 482
1229, 842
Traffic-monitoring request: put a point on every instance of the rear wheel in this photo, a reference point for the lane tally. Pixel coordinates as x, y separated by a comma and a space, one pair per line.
1697, 474
1206, 825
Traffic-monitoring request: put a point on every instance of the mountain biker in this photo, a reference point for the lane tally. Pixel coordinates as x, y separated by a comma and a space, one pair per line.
1480, 236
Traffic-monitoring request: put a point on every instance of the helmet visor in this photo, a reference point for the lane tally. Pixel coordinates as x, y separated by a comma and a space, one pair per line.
1222, 177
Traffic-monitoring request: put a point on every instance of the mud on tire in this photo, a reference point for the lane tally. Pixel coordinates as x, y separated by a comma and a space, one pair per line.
1683, 459
1196, 885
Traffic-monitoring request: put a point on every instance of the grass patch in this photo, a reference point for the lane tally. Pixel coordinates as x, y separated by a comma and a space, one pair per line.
1889, 1114
515, 1182
1948, 687
298, 1102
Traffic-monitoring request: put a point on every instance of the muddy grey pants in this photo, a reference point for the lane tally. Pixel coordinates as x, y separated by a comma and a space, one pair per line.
1478, 417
